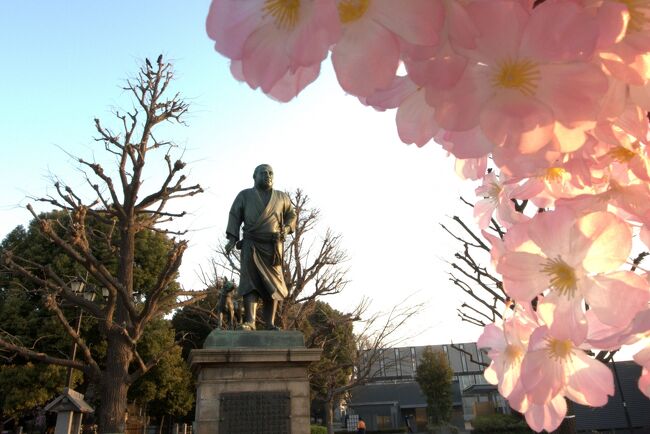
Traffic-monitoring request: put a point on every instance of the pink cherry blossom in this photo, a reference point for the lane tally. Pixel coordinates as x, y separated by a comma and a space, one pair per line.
275, 40
574, 260
554, 366
496, 197
439, 67
547, 416
471, 168
624, 39
517, 86
366, 57
506, 345
643, 359
414, 118
607, 337
287, 86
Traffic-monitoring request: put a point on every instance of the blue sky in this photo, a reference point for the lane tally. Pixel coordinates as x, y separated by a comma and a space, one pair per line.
64, 63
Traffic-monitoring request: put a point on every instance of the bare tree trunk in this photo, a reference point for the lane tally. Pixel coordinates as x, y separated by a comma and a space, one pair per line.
329, 416
115, 386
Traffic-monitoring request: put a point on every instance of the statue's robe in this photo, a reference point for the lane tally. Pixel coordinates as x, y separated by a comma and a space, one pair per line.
261, 252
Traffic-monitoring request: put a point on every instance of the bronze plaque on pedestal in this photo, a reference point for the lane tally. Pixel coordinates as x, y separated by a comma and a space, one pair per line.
255, 413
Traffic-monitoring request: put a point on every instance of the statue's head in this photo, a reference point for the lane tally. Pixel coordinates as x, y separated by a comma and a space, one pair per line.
263, 176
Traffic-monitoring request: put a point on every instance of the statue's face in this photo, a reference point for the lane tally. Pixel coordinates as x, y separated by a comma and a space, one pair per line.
263, 177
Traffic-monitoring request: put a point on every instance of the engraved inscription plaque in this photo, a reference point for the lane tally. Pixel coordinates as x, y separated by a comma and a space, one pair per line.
255, 413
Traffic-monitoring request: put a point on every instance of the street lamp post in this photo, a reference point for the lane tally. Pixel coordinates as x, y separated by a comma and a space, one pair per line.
70, 405
77, 287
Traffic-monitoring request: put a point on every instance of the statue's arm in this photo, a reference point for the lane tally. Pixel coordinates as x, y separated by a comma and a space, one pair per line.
290, 217
235, 220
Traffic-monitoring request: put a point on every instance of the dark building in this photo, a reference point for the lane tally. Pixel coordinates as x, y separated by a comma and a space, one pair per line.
611, 417
394, 396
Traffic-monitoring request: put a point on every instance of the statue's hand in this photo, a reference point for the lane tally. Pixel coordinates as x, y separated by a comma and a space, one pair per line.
282, 235
229, 245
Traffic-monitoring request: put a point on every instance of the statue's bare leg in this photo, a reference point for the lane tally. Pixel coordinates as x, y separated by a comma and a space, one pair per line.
270, 308
250, 310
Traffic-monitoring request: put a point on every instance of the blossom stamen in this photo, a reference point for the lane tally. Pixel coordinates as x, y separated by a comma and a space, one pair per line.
521, 75
352, 10
555, 174
513, 353
285, 12
559, 349
621, 154
563, 276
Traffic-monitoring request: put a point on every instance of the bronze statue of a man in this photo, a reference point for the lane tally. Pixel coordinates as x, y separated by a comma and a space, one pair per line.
267, 216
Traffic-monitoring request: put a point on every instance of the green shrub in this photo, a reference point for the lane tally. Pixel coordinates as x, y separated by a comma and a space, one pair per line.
388, 431
499, 423
317, 429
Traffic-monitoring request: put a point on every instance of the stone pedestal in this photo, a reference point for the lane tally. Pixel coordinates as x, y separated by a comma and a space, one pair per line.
252, 382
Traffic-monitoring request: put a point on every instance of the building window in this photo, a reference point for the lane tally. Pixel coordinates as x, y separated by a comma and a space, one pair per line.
480, 356
398, 362
383, 422
463, 359
414, 360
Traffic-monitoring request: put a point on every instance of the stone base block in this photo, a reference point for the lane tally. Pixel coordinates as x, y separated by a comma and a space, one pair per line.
252, 390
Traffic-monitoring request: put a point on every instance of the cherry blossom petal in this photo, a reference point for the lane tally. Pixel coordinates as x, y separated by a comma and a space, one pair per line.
643, 357
470, 168
417, 21
572, 101
466, 144
366, 58
612, 20
627, 64
522, 276
560, 31
644, 382
542, 377
551, 231
392, 96
564, 317
500, 24
230, 22
440, 71
617, 297
459, 108
512, 119
415, 119
641, 95
292, 83
590, 382
611, 241
644, 235
547, 416
492, 338
264, 61
319, 28
490, 374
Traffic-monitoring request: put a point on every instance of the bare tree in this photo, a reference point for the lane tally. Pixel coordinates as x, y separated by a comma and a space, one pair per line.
486, 298
121, 206
365, 361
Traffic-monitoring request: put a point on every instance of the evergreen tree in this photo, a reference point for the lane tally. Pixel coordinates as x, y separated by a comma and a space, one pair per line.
434, 376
